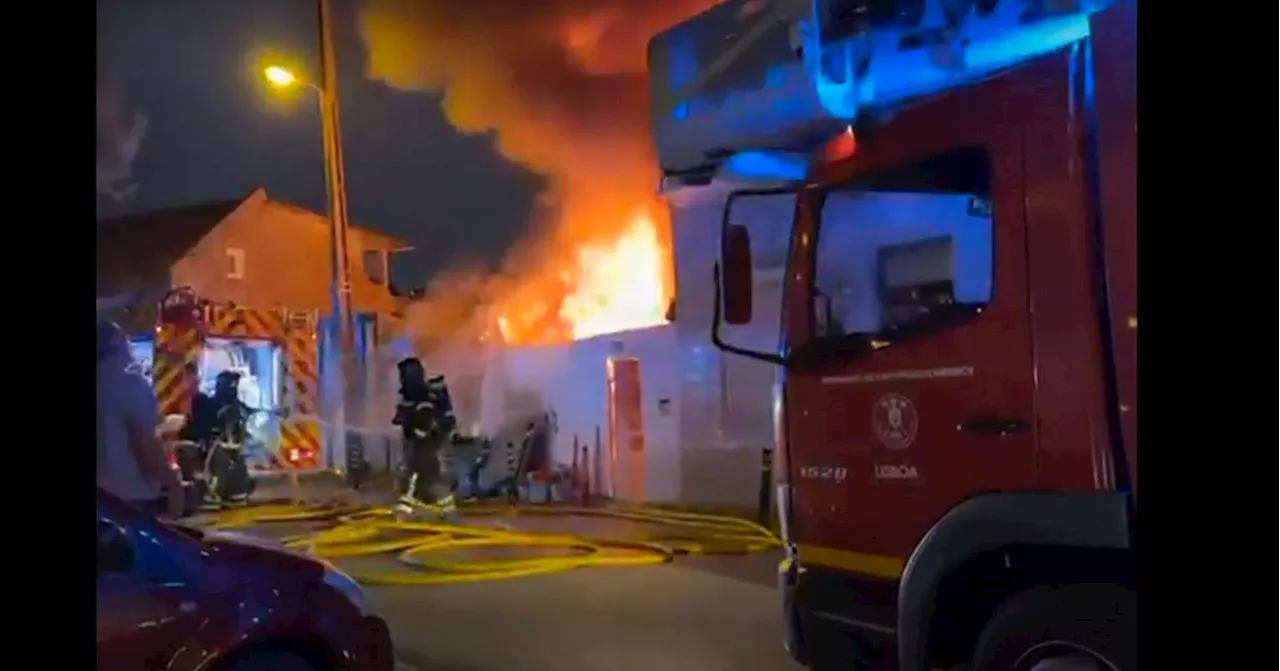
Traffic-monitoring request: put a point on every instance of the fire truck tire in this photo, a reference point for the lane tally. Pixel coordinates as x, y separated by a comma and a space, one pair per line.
1062, 627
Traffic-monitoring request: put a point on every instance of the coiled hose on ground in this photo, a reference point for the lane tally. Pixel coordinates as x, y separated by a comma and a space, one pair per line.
361, 532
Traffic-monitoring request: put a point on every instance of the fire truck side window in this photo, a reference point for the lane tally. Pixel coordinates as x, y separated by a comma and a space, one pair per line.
767, 218
905, 249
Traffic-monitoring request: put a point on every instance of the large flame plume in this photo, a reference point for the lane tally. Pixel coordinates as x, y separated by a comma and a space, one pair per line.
560, 85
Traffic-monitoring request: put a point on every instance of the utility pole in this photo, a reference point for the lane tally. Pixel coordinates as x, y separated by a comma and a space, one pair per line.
340, 287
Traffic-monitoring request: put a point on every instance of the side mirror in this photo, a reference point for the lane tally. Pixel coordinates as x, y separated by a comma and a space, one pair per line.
738, 282
115, 551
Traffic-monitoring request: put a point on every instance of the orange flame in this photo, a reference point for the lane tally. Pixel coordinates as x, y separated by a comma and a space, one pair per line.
607, 287
620, 287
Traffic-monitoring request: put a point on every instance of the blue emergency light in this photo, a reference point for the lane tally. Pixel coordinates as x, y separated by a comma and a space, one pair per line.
886, 66
749, 85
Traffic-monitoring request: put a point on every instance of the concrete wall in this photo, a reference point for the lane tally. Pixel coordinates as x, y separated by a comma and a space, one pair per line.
285, 260
570, 381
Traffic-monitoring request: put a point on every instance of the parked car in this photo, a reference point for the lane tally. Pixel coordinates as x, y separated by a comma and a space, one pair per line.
177, 598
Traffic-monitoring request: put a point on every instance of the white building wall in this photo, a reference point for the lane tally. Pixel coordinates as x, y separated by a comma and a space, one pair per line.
706, 447
570, 381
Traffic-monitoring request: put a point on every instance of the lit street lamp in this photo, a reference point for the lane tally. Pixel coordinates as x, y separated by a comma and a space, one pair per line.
340, 287
336, 186
278, 76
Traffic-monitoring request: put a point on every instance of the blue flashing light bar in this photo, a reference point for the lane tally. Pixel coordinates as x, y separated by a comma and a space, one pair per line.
802, 76
976, 48
766, 166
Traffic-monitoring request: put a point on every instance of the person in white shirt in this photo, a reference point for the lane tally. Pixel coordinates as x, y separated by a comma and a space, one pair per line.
131, 459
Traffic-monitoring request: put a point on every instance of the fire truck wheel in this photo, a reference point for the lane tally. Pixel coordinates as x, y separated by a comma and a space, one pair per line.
1062, 628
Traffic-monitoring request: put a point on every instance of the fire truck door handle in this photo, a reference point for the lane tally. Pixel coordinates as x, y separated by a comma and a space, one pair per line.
994, 426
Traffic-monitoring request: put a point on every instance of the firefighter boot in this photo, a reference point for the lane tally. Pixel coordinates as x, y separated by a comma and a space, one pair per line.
407, 504
446, 484
447, 508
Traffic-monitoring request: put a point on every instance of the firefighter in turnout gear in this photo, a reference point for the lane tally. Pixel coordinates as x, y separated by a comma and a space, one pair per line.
220, 424
424, 413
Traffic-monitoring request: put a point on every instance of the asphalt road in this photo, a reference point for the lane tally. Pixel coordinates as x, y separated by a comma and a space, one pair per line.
674, 617
698, 614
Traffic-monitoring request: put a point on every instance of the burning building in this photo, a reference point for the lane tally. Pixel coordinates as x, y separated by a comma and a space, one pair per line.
582, 321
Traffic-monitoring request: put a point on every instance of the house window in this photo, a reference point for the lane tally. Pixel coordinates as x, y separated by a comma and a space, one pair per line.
235, 264
375, 266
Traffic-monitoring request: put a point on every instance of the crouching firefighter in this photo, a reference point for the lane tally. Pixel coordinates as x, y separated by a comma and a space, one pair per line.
424, 413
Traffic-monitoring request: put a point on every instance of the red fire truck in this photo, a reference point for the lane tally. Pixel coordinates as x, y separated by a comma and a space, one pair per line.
956, 407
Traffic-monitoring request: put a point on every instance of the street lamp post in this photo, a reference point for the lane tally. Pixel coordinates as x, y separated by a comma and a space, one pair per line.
340, 284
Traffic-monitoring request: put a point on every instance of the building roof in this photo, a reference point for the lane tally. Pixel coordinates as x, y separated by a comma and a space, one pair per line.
140, 247
391, 243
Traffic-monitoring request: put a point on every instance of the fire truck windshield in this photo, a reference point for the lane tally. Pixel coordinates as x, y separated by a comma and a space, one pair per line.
903, 251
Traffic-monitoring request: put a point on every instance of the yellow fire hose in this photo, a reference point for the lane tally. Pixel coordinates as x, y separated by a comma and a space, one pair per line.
363, 532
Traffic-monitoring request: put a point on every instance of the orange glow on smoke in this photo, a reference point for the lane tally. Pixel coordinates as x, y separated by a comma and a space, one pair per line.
562, 93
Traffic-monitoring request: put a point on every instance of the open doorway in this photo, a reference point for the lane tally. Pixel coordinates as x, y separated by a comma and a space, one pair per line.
260, 365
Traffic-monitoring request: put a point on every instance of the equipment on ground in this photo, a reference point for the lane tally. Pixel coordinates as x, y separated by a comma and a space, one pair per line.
475, 453
367, 531
933, 432
480, 479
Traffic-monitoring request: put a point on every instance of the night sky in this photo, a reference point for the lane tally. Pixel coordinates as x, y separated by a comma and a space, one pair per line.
216, 131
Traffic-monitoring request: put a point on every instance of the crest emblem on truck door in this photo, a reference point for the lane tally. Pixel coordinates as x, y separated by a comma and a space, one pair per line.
894, 421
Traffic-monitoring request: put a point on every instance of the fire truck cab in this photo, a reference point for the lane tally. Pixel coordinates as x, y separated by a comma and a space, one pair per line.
956, 400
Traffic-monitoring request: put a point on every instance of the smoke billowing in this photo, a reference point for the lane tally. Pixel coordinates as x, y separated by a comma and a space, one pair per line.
560, 85
120, 132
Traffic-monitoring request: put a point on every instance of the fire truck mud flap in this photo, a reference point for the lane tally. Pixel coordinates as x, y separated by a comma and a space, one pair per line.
991, 521
788, 584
